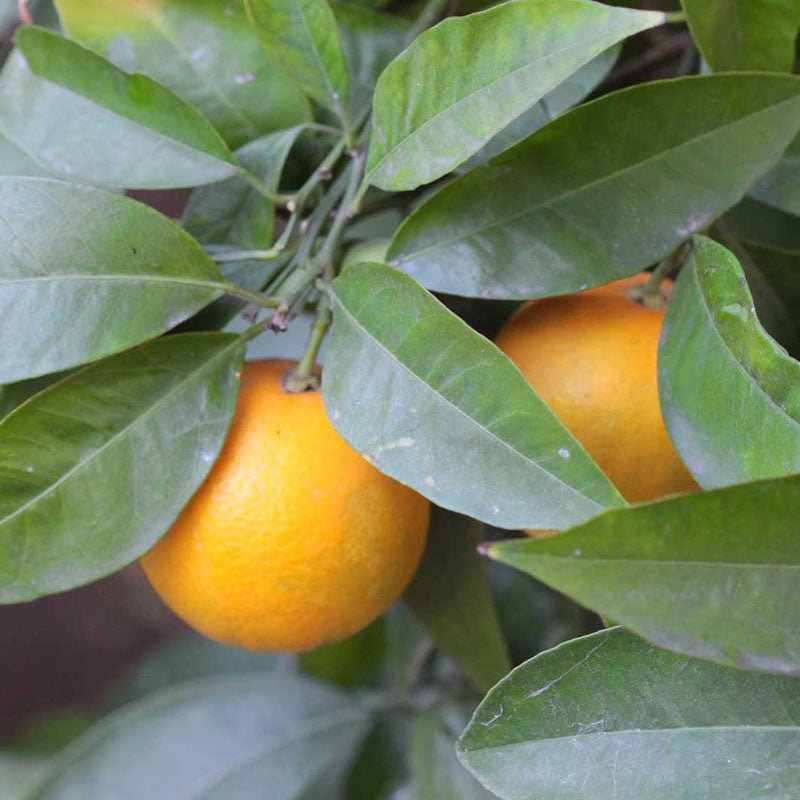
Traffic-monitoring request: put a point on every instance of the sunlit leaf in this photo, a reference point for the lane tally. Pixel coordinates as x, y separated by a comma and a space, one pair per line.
463, 81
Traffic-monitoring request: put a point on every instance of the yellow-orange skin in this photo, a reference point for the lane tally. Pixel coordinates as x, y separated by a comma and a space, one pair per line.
294, 540
591, 357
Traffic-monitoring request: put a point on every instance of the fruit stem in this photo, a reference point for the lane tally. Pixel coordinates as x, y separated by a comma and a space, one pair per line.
303, 378
650, 293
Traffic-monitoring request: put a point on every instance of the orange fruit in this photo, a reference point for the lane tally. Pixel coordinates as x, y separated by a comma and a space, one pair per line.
293, 540
592, 357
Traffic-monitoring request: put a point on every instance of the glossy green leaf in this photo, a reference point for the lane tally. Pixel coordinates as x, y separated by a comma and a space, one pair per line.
370, 40
434, 769
611, 718
553, 104
85, 273
712, 574
243, 737
780, 187
204, 50
450, 595
730, 395
570, 208
745, 34
83, 118
465, 80
758, 223
435, 405
303, 37
94, 469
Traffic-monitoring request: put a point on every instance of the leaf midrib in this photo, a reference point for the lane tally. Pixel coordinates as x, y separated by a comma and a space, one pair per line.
793, 728
163, 400
452, 405
649, 562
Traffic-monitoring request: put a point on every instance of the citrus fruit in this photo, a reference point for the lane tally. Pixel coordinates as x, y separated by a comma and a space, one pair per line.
591, 357
293, 540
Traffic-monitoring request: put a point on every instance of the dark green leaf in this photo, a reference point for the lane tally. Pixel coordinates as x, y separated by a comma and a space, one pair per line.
463, 81
81, 117
763, 225
302, 36
780, 187
233, 211
748, 35
85, 273
370, 40
204, 50
608, 717
435, 405
570, 207
781, 269
94, 469
712, 574
243, 737
435, 771
552, 105
729, 393
450, 595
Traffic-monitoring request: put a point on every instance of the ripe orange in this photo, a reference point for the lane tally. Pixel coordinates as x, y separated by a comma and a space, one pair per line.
294, 540
591, 357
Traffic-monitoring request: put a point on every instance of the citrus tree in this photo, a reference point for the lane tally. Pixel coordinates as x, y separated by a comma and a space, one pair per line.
383, 189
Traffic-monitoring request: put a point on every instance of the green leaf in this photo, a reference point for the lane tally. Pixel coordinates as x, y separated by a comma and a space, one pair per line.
465, 80
18, 773
15, 161
763, 225
85, 273
95, 468
83, 118
370, 40
435, 771
713, 346
233, 211
780, 187
552, 105
450, 594
435, 405
203, 50
608, 717
745, 35
570, 208
355, 661
189, 657
303, 37
712, 574
220, 738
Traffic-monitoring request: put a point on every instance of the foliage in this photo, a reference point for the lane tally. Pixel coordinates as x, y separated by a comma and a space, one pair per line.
349, 160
